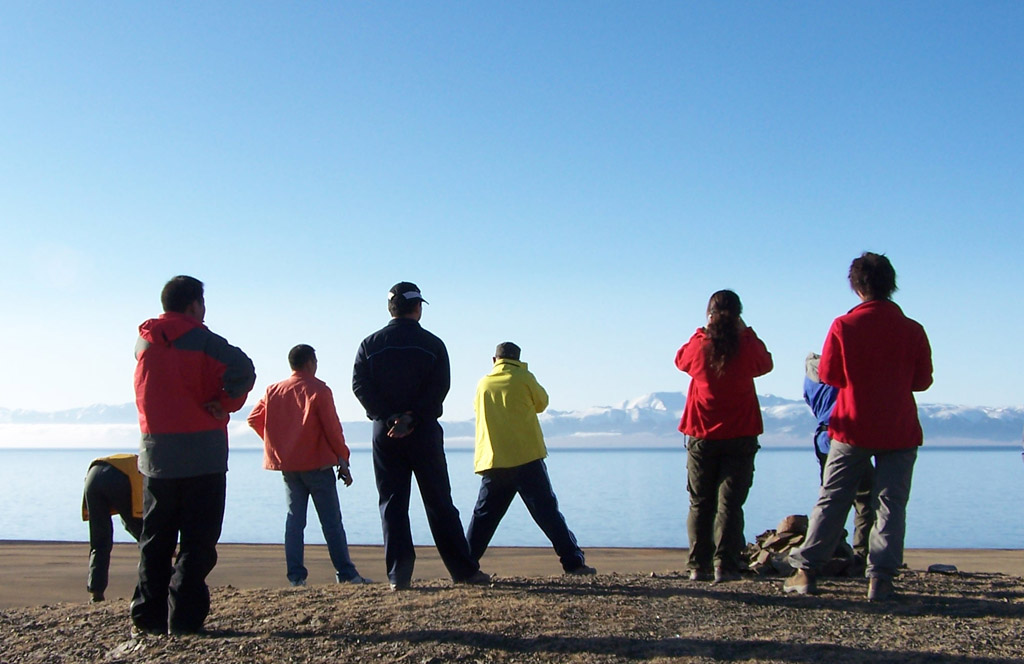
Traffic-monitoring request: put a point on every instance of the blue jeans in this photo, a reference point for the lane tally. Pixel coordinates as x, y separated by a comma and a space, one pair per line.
498, 487
322, 486
844, 470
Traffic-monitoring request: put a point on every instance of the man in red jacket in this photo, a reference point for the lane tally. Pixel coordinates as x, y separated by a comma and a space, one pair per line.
187, 381
302, 437
878, 358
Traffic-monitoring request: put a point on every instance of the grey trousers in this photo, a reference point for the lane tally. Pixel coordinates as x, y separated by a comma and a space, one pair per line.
844, 469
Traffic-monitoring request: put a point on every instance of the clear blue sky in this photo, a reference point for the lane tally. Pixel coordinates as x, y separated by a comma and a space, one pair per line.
575, 177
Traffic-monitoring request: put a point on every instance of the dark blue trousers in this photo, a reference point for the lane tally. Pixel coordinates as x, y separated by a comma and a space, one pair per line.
107, 491
395, 461
498, 487
175, 597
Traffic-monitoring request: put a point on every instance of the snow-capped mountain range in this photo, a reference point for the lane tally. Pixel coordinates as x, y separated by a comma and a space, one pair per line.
647, 421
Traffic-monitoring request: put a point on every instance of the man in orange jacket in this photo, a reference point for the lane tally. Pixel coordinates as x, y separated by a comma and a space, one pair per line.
302, 437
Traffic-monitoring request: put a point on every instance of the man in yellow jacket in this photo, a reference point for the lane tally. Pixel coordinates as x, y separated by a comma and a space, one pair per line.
113, 485
510, 455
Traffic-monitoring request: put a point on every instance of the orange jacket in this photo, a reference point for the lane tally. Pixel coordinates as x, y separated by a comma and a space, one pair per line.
299, 425
182, 367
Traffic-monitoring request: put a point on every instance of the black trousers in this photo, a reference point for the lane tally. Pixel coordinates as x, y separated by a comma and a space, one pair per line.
499, 487
174, 596
107, 491
395, 461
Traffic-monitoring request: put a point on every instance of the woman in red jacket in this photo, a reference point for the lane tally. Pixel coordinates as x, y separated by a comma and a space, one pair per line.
878, 358
722, 420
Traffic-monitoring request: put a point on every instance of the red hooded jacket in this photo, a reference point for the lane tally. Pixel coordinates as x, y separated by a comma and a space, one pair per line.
182, 368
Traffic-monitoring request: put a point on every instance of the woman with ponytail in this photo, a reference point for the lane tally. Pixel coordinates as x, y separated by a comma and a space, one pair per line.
722, 420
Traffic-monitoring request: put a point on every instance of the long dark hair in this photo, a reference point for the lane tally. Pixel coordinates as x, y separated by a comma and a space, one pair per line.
724, 309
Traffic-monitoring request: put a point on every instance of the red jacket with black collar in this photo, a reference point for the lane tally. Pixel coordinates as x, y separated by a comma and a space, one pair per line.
182, 368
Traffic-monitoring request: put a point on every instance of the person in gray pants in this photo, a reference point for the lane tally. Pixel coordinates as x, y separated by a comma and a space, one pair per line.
878, 358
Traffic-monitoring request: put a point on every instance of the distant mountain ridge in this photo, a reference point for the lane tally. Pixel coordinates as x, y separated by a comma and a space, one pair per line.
94, 414
648, 420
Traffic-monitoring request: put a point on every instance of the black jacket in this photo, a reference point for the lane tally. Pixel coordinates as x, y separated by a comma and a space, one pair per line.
401, 368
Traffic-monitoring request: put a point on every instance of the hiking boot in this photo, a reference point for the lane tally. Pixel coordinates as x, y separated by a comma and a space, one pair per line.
139, 632
700, 575
478, 578
880, 590
801, 583
398, 587
723, 575
582, 570
96, 597
357, 580
298, 583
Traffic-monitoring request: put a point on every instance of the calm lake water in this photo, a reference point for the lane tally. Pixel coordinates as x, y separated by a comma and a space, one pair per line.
630, 498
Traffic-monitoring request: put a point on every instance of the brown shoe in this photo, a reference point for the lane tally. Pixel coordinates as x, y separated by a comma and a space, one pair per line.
700, 575
880, 590
801, 583
723, 575
478, 578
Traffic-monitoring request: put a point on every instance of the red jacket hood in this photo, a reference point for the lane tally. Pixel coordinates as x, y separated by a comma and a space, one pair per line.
167, 328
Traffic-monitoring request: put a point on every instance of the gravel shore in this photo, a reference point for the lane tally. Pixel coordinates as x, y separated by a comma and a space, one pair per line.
964, 617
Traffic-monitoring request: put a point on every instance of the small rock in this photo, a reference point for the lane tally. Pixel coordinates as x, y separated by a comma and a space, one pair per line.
129, 647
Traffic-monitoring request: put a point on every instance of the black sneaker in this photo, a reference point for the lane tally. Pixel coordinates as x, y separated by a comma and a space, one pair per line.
183, 631
142, 632
582, 570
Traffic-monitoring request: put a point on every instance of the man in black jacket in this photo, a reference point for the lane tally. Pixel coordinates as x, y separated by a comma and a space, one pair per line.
401, 378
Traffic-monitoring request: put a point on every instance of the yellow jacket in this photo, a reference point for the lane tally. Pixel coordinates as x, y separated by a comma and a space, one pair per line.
507, 429
129, 465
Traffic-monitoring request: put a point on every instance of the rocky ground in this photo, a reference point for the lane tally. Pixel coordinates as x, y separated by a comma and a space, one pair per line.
607, 618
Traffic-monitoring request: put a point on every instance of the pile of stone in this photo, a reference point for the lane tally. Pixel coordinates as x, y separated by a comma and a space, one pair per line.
768, 554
